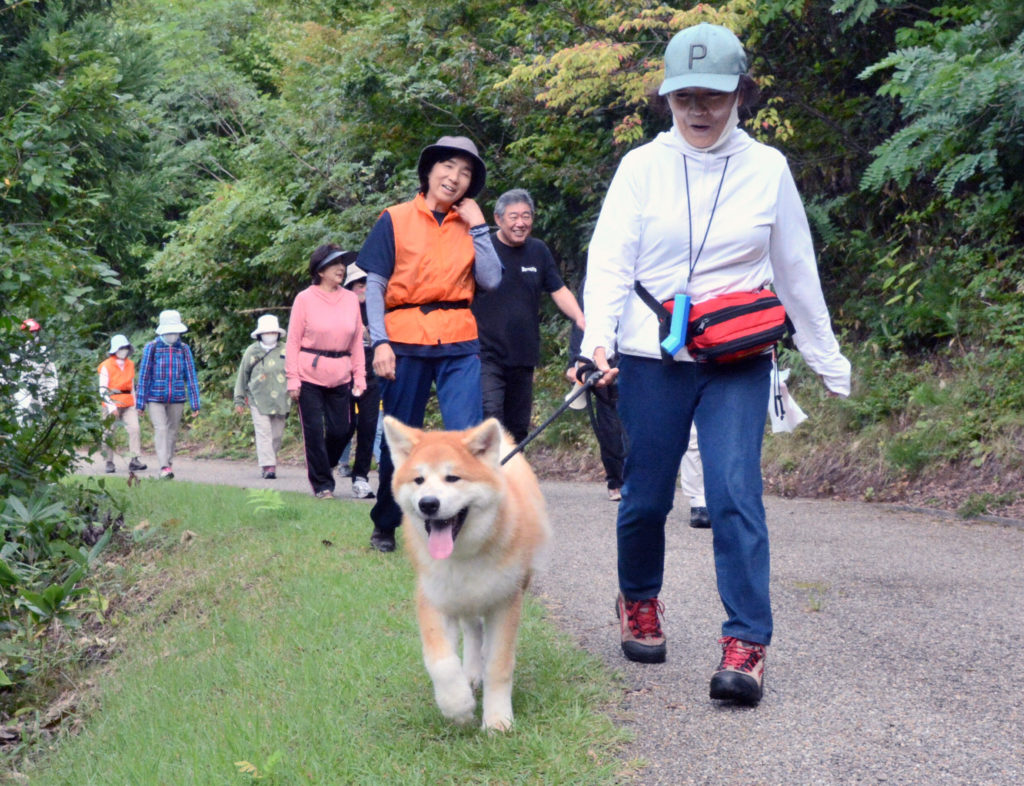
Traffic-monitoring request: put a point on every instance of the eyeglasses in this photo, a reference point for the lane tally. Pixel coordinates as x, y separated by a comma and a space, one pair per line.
713, 101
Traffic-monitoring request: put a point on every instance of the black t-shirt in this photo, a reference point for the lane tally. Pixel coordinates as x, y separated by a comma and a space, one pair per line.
508, 318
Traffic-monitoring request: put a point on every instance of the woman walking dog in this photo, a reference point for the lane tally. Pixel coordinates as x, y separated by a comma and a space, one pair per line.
700, 212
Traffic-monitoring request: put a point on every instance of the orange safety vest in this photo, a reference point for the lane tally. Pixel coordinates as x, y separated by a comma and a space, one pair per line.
119, 381
430, 289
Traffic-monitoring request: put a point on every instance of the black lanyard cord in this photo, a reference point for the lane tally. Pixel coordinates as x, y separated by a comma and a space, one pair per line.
689, 216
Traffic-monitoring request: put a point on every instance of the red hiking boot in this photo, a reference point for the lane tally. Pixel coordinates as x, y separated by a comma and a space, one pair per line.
642, 639
740, 675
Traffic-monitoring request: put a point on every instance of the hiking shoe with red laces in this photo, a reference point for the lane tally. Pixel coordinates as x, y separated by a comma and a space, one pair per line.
740, 675
642, 639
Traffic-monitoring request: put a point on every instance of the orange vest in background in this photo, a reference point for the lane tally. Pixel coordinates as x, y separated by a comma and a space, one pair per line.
433, 269
119, 379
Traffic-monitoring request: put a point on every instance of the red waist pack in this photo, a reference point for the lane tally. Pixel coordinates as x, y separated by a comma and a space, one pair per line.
735, 326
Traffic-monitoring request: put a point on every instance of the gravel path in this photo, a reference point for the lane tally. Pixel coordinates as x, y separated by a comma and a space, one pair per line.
892, 629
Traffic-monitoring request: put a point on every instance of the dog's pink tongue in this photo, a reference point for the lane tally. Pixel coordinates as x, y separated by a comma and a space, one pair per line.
440, 542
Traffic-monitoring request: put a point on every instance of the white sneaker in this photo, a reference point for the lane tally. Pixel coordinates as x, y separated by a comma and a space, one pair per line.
361, 488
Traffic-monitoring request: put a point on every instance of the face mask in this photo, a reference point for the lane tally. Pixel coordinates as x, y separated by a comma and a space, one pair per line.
730, 125
170, 338
268, 340
122, 353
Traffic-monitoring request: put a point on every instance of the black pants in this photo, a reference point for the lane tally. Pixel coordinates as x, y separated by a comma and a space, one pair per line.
363, 424
611, 436
507, 395
324, 415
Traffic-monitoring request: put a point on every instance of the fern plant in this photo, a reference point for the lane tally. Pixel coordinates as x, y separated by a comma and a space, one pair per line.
265, 501
966, 110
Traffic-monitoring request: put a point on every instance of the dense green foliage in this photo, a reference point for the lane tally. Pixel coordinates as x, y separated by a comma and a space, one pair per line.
73, 149
171, 154
52, 540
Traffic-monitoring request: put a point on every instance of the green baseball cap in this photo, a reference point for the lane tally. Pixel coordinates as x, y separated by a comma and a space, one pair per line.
705, 55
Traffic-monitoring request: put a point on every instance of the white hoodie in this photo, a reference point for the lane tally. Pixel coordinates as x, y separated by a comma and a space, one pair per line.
758, 237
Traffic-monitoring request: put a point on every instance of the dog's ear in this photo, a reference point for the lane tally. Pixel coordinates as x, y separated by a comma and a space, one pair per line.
401, 438
485, 441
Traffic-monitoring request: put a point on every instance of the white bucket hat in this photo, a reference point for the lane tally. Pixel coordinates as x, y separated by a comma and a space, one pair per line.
267, 323
353, 275
118, 342
170, 322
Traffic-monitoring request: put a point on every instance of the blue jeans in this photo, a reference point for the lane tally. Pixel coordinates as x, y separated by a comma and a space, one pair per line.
657, 403
405, 397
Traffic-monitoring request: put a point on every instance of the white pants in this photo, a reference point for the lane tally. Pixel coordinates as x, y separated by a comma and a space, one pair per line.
691, 472
165, 419
129, 418
269, 430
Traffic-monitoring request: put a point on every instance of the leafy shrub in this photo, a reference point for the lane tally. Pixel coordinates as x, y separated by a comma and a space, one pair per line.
51, 540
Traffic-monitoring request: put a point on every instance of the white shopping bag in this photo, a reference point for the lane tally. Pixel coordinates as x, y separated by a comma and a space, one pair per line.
783, 410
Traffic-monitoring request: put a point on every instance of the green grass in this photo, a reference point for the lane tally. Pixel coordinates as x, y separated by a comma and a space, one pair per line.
276, 646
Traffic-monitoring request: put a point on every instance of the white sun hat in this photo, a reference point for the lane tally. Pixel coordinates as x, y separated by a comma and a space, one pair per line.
170, 322
353, 275
267, 323
118, 342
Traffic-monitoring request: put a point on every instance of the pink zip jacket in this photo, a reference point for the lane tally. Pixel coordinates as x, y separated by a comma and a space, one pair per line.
327, 322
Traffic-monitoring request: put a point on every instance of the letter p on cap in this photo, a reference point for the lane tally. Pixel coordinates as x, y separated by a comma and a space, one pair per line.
694, 50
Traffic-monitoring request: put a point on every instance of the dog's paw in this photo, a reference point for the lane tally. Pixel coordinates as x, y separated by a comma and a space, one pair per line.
497, 710
452, 692
457, 705
497, 723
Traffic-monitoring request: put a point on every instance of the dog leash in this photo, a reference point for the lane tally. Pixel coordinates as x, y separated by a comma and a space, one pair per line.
587, 383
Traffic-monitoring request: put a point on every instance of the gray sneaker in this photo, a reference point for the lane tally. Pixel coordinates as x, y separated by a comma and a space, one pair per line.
361, 488
110, 468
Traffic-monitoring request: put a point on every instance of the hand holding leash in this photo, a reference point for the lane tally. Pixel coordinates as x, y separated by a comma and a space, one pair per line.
600, 363
585, 369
